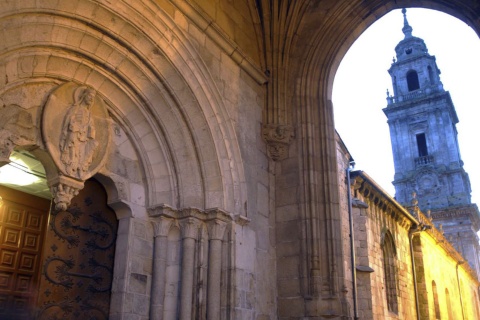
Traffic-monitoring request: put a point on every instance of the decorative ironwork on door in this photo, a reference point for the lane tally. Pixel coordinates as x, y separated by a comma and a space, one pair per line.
79, 253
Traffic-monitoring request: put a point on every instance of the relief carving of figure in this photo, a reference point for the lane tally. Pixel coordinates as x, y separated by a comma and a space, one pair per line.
77, 141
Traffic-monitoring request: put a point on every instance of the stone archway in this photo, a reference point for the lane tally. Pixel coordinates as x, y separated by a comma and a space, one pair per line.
172, 140
312, 37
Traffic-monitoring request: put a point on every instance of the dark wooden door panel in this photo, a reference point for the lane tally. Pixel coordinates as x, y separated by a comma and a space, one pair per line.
23, 219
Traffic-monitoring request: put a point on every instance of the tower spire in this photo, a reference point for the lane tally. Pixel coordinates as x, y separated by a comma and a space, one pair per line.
407, 29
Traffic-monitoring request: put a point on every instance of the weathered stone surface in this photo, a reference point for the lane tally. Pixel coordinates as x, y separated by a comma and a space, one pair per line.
216, 110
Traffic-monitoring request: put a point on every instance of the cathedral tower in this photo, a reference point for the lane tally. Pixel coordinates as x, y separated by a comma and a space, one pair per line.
422, 121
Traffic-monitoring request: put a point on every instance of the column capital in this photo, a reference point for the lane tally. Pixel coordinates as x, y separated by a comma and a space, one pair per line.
161, 226
189, 228
162, 210
216, 229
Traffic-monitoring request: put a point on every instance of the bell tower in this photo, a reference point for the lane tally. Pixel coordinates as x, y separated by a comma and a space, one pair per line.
422, 121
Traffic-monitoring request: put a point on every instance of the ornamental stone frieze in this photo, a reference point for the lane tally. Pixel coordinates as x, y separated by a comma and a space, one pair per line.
278, 138
76, 132
164, 211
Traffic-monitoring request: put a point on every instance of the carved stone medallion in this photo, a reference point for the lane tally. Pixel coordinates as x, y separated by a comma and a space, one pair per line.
76, 130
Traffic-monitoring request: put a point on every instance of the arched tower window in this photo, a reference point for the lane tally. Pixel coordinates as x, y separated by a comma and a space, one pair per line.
449, 305
435, 300
412, 80
390, 271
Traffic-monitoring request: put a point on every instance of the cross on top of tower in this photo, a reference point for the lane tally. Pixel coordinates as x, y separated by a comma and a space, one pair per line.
407, 29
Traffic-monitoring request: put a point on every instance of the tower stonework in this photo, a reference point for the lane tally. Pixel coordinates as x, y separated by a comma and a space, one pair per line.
422, 121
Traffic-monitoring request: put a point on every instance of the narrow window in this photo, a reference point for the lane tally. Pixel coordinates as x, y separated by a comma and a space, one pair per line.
435, 301
390, 272
449, 305
476, 304
430, 75
422, 145
412, 80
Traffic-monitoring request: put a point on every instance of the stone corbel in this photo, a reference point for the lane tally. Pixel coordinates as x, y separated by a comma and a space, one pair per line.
278, 138
63, 190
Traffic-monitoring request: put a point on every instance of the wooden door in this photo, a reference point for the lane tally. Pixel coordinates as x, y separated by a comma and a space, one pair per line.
78, 258
23, 219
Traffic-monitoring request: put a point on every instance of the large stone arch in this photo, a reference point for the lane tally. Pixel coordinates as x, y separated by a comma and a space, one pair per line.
314, 37
155, 86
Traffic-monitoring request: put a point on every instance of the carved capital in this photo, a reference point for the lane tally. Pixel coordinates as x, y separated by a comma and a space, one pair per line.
217, 213
63, 190
161, 226
278, 138
216, 229
189, 228
163, 210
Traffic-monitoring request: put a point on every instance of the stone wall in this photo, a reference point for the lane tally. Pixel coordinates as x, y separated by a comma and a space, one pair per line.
439, 268
344, 160
440, 265
376, 217
211, 226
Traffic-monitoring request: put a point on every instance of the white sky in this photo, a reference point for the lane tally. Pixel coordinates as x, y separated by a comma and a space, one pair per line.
359, 91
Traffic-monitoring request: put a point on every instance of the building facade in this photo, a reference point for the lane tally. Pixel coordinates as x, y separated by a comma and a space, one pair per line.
188, 154
404, 267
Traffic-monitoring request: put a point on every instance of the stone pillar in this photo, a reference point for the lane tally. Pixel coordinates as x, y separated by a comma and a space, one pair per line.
160, 228
216, 228
189, 234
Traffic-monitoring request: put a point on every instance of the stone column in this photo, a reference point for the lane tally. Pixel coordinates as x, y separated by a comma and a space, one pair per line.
160, 228
216, 228
189, 234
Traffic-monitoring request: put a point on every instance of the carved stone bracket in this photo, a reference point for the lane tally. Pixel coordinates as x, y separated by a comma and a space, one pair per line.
278, 138
63, 190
